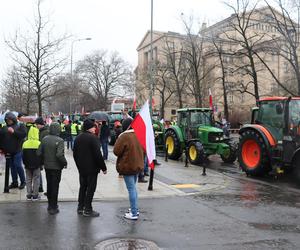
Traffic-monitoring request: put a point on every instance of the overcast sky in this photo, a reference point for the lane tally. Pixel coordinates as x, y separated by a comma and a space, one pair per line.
115, 25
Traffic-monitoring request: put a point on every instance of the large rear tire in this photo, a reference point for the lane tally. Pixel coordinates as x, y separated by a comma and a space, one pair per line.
173, 144
195, 153
253, 154
230, 157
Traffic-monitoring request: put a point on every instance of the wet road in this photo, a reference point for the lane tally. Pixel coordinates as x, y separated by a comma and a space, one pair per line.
247, 214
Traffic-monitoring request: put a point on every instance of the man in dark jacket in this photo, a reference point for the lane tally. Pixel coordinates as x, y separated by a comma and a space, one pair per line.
89, 161
43, 131
52, 152
104, 135
13, 135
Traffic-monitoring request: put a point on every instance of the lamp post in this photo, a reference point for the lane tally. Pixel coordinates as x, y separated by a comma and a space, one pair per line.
72, 46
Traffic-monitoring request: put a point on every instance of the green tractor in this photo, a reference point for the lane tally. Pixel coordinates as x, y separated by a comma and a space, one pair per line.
196, 133
271, 143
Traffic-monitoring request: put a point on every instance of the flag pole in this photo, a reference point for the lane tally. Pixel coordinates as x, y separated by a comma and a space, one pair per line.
150, 187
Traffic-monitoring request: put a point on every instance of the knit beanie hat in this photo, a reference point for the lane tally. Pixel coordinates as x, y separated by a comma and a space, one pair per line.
87, 124
39, 121
126, 123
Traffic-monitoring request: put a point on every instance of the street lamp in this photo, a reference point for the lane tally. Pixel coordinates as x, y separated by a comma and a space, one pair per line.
77, 40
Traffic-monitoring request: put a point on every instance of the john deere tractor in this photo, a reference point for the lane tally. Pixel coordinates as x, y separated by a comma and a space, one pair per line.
272, 141
196, 133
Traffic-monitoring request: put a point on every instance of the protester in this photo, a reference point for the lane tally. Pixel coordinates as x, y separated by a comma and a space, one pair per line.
13, 135
52, 152
43, 131
130, 163
32, 163
104, 135
89, 161
69, 135
117, 128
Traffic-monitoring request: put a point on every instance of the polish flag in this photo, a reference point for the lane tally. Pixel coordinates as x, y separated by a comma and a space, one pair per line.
143, 129
210, 100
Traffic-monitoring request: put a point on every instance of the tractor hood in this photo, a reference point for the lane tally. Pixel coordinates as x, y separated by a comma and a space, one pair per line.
209, 129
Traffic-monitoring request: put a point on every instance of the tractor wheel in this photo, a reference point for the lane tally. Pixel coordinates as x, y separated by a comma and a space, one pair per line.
195, 153
173, 144
231, 155
252, 154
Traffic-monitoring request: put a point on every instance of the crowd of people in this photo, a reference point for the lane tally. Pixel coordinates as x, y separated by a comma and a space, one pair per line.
41, 146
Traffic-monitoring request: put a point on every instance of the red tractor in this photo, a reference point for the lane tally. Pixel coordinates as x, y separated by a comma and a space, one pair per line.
271, 143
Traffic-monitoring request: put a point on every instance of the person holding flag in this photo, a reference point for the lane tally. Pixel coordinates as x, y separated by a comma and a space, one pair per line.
130, 163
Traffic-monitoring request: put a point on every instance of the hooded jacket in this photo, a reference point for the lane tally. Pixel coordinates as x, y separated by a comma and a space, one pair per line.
12, 142
52, 150
30, 158
130, 154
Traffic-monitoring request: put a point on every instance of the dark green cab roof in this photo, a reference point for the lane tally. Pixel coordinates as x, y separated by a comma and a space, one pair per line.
194, 109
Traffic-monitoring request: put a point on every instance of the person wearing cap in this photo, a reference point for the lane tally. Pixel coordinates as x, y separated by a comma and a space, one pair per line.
130, 163
89, 162
12, 137
43, 131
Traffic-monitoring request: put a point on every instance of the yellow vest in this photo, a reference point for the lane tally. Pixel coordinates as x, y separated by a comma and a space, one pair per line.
73, 129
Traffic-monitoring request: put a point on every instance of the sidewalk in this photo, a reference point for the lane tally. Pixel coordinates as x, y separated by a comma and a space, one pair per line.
171, 179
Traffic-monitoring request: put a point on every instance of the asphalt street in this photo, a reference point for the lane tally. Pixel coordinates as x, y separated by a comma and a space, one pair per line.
238, 213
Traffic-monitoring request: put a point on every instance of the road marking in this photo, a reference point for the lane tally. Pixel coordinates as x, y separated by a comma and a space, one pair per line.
186, 186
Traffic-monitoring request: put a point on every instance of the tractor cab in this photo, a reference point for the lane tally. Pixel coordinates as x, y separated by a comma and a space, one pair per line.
193, 121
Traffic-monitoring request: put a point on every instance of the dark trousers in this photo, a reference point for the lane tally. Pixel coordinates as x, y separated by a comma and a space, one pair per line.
53, 179
104, 145
88, 184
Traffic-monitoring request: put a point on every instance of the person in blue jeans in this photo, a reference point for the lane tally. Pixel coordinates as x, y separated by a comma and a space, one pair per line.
104, 135
12, 136
130, 163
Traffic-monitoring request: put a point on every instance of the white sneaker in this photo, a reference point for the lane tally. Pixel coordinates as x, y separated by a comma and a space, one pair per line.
138, 212
130, 216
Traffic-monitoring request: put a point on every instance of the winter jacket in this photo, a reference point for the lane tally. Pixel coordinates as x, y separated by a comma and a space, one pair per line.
51, 149
12, 142
87, 154
104, 133
30, 158
130, 154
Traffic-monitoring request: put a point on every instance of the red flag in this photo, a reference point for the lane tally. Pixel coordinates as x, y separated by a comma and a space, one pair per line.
210, 100
143, 129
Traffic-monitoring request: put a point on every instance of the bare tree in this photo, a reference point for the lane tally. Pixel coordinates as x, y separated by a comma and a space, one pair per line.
17, 91
164, 86
199, 68
106, 75
239, 32
287, 44
39, 52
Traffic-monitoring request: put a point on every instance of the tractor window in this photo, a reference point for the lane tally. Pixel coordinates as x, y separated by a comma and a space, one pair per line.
183, 118
272, 116
198, 118
294, 118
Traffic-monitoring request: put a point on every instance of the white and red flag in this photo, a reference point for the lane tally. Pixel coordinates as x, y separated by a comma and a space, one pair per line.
142, 125
210, 100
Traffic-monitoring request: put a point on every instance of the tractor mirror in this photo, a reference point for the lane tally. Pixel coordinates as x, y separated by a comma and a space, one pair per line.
279, 109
